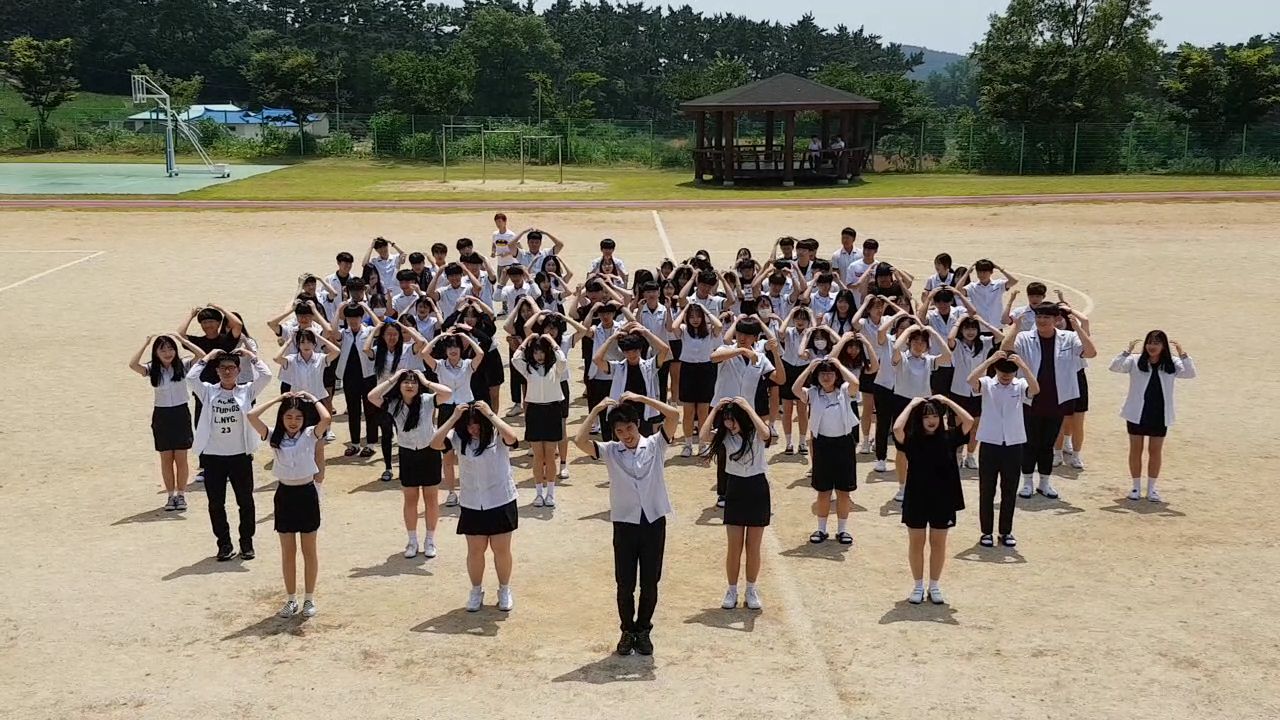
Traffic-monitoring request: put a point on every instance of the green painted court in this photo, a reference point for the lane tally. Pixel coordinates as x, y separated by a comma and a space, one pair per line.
112, 178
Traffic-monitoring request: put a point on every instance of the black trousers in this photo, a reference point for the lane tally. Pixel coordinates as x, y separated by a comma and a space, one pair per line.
664, 378
597, 390
888, 405
638, 547
998, 463
381, 430
940, 380
1037, 452
517, 384
355, 388
237, 470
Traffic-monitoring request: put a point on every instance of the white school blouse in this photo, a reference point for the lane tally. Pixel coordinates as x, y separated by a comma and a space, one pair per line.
303, 374
599, 336
943, 326
350, 342
988, 299
1184, 368
1002, 411
713, 304
457, 378
636, 480
736, 377
964, 361
420, 436
295, 459
542, 385
170, 392
831, 414
485, 481
911, 375
655, 321
695, 349
791, 347
752, 462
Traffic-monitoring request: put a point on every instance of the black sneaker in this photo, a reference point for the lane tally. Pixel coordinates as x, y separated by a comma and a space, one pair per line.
386, 476
644, 645
247, 553
225, 554
626, 643
366, 452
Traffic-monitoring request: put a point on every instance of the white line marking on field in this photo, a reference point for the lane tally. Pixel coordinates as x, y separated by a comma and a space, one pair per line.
662, 233
1089, 305
49, 251
50, 271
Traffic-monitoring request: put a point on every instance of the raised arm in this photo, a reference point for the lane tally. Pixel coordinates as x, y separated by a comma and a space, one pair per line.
708, 425
380, 390
442, 432
1185, 367
900, 422
583, 438
1010, 280
1124, 362
797, 388
944, 357
255, 415
962, 416
443, 393
135, 363
670, 413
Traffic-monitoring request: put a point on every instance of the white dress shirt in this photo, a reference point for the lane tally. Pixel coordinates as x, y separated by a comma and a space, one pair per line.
1002, 412
485, 480
457, 378
750, 464
1066, 360
420, 436
295, 459
637, 482
988, 300
736, 377
542, 386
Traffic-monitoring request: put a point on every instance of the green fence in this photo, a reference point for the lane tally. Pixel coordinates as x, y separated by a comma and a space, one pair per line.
961, 146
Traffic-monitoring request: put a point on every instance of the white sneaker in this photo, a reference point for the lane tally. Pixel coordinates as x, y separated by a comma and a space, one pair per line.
289, 609
1153, 495
804, 448
730, 599
329, 437
935, 595
917, 595
505, 600
537, 501
897, 497
1135, 494
308, 608
1068, 447
564, 472
753, 599
1057, 458
1077, 462
429, 549
513, 411
411, 550
475, 599
549, 501
451, 500
971, 461
881, 466
1046, 489
864, 447
199, 476
1028, 486
687, 451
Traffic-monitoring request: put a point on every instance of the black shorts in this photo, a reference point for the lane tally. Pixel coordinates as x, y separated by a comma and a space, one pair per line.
935, 521
330, 380
971, 405
697, 382
171, 428
493, 371
1082, 402
1156, 431
494, 521
834, 463
793, 373
543, 422
746, 501
297, 508
419, 468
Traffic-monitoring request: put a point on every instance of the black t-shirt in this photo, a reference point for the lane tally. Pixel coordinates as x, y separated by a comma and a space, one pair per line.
635, 380
1045, 403
932, 473
224, 341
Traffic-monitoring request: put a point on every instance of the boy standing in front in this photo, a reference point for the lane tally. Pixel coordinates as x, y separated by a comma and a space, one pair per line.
502, 249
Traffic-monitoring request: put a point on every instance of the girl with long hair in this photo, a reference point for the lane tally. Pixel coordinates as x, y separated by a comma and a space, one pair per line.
1148, 409
455, 370
170, 416
390, 348
834, 429
541, 362
912, 371
791, 335
1069, 445
699, 334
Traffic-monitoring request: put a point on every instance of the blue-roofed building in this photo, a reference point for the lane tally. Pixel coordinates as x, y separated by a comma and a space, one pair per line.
238, 121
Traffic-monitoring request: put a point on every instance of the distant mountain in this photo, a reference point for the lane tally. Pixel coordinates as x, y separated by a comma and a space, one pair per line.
934, 61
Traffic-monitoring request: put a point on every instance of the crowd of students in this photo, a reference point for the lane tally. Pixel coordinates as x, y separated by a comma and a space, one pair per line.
830, 358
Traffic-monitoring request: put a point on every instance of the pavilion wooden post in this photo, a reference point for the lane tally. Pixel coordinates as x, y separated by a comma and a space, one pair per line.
846, 130
788, 150
826, 134
730, 131
700, 144
769, 121
717, 136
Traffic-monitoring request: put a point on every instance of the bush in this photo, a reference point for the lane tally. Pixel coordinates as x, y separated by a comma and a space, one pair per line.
419, 146
338, 144
42, 137
386, 129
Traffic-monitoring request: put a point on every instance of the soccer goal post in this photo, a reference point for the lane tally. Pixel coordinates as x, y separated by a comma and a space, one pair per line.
524, 140
446, 132
484, 159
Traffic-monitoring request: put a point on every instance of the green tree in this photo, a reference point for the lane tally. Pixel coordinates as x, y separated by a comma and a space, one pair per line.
42, 72
506, 48
183, 92
290, 78
720, 74
901, 98
425, 84
1218, 91
955, 86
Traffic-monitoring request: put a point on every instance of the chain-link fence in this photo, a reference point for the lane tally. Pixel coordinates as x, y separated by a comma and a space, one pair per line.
969, 145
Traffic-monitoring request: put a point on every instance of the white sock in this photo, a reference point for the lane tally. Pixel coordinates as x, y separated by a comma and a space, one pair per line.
788, 437
476, 587
431, 536
734, 588
822, 524
842, 524
413, 537
539, 487
1151, 484
1028, 480
504, 588
293, 597
933, 584
551, 490
751, 586
309, 597
1137, 483
920, 584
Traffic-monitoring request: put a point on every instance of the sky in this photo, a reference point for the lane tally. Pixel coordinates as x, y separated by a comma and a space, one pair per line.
954, 25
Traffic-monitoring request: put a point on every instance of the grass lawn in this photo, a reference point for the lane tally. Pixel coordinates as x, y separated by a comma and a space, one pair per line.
116, 107
354, 179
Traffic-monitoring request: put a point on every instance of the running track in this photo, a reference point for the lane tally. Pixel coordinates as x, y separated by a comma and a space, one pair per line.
711, 204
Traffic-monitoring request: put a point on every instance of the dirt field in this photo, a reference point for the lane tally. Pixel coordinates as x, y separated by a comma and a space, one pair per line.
110, 608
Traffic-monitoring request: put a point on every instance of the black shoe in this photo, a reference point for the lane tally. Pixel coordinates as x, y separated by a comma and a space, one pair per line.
225, 554
626, 643
386, 476
644, 645
366, 452
247, 553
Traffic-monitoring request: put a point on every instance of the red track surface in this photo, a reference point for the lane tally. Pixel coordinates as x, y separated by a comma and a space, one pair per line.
140, 204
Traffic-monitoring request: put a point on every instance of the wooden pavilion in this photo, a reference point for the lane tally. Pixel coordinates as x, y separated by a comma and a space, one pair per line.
717, 151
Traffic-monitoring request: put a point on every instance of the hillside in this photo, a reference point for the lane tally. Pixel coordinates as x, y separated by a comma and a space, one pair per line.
934, 61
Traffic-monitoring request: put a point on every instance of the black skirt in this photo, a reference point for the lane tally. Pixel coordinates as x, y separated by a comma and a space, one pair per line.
746, 501
493, 368
1157, 431
419, 468
834, 463
564, 404
171, 428
697, 382
543, 422
971, 405
297, 508
793, 373
1082, 402
676, 347
494, 521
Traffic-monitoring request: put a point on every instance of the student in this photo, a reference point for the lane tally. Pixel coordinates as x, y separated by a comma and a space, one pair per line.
301, 421
1148, 408
357, 375
449, 294
848, 253
410, 400
938, 312
482, 276
523, 308
219, 330
735, 431
1001, 437
489, 516
225, 442
535, 257
170, 416
1054, 357
969, 349
541, 362
987, 295
912, 370
598, 380
607, 248
557, 326
638, 508
390, 348
1024, 316
455, 373
933, 492
654, 316
339, 278
743, 369
634, 373
302, 368
385, 262
834, 428
699, 334
1069, 446
502, 249
822, 298
944, 275
881, 348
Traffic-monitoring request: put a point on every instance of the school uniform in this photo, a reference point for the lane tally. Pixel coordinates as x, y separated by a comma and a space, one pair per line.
450, 296
834, 428
598, 381
386, 268
297, 501
357, 378
934, 281
305, 375
544, 398
821, 304
964, 360
641, 379
225, 442
638, 508
170, 415
697, 372
382, 428
458, 379
619, 267
224, 341
713, 304
1148, 408
487, 491
1055, 361
792, 364
419, 463
911, 380
535, 262
842, 259
940, 381
655, 321
1001, 436
932, 495
746, 493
